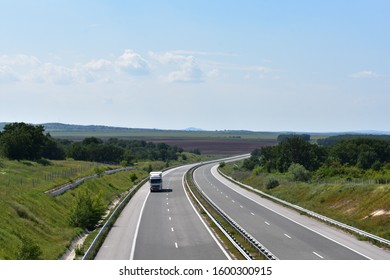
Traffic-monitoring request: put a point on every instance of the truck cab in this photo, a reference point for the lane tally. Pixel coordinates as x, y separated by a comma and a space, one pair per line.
155, 180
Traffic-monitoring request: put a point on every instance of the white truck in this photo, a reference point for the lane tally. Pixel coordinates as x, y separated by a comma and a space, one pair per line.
155, 180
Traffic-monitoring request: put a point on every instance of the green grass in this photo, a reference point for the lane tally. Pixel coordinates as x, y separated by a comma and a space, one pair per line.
26, 211
351, 203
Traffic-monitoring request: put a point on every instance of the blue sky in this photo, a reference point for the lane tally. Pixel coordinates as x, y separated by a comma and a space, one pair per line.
257, 65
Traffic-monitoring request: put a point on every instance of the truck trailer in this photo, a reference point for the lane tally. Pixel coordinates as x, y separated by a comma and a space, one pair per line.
156, 182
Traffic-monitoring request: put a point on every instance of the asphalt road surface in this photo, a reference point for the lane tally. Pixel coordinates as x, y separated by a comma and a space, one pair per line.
286, 233
161, 225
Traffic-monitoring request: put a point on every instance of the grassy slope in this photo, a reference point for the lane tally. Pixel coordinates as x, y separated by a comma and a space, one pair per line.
25, 210
353, 204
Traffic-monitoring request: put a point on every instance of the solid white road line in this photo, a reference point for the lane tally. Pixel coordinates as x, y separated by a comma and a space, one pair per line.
240, 191
137, 228
203, 222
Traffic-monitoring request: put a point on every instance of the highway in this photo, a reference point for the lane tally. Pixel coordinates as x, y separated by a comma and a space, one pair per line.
165, 225
286, 233
161, 226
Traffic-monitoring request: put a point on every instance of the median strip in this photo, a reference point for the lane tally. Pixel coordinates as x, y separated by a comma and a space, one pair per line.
244, 243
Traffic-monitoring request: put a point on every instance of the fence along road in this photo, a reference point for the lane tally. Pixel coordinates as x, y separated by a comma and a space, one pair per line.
286, 233
161, 225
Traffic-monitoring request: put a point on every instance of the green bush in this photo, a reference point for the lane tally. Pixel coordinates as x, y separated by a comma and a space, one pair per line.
271, 183
133, 177
28, 250
299, 172
88, 211
79, 250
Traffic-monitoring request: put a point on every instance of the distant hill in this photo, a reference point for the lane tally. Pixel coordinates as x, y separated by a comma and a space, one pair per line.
61, 127
55, 127
51, 127
193, 129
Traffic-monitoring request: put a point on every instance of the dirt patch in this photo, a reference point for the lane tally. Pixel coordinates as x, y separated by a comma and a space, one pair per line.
380, 212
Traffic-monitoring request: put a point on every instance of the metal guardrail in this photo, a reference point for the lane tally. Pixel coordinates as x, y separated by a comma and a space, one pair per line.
61, 189
232, 240
99, 239
250, 239
308, 212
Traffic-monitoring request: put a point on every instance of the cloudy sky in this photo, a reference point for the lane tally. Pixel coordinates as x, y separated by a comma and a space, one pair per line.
259, 65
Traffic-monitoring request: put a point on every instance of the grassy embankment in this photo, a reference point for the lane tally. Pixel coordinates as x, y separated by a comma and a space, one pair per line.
27, 212
363, 205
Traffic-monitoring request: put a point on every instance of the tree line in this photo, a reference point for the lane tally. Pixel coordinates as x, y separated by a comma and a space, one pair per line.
360, 153
21, 141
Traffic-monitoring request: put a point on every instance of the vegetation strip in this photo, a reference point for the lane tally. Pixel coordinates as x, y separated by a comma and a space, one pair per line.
220, 227
238, 234
63, 188
311, 213
99, 239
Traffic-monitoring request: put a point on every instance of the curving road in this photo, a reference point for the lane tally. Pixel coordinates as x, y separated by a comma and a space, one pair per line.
284, 232
161, 225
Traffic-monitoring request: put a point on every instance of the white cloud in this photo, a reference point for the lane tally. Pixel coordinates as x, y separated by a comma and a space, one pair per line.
57, 74
99, 65
364, 74
19, 60
7, 75
188, 70
132, 63
213, 73
30, 69
168, 57
16, 67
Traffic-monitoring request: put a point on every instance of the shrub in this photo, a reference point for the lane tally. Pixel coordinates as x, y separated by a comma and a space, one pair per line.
271, 183
258, 170
88, 211
28, 250
299, 172
133, 177
79, 250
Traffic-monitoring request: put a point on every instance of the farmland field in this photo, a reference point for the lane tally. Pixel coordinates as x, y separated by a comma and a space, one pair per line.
216, 146
207, 142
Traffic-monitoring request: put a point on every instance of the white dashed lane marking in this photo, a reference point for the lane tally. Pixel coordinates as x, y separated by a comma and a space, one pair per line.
318, 255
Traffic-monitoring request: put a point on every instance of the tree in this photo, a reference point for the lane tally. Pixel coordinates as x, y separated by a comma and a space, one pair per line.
87, 212
22, 141
285, 137
52, 149
299, 172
